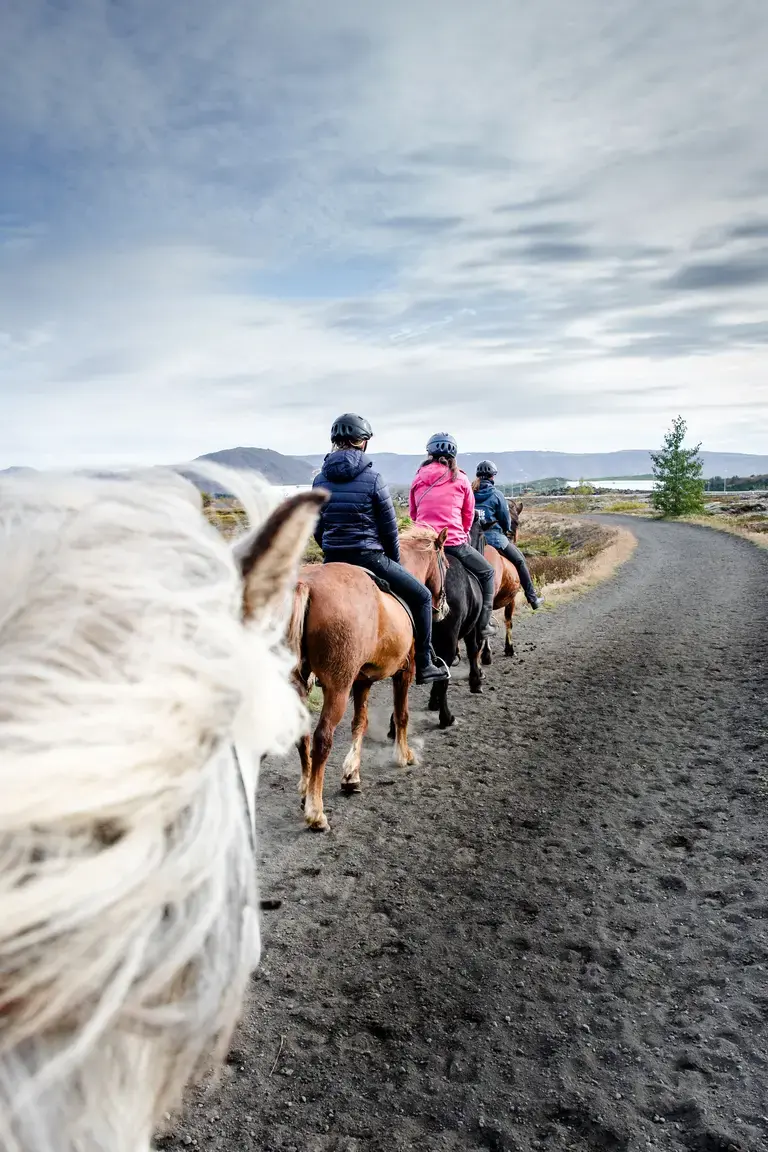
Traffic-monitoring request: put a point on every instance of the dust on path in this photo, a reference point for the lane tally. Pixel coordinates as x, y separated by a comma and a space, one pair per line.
552, 933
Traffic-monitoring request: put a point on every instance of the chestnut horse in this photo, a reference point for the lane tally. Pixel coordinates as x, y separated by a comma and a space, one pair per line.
507, 585
346, 634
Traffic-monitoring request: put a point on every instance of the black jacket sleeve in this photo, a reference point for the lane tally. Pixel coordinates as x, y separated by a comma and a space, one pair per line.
318, 483
386, 520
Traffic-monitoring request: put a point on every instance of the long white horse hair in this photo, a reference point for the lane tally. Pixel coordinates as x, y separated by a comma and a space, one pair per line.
127, 878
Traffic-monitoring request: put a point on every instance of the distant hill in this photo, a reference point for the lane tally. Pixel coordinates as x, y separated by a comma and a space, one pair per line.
273, 466
515, 467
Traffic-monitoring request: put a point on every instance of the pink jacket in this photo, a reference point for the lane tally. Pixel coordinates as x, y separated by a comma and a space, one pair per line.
440, 502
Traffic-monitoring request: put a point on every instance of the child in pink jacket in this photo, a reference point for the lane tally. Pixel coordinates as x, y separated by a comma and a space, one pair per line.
441, 497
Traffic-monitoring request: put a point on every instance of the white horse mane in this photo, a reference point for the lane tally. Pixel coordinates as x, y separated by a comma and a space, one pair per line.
126, 866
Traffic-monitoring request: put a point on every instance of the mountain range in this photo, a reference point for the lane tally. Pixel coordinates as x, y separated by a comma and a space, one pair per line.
514, 467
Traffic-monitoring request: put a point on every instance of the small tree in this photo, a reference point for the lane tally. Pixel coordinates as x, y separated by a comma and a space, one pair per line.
679, 487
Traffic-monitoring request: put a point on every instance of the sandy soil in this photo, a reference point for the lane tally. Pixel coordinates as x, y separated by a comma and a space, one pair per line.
553, 932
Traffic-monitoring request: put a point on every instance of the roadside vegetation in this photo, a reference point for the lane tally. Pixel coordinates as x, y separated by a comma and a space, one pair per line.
679, 489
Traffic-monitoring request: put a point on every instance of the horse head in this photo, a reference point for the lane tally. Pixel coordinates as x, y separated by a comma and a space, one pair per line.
425, 558
514, 514
143, 675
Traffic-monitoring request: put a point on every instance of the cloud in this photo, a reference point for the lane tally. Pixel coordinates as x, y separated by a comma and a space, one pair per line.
721, 275
222, 223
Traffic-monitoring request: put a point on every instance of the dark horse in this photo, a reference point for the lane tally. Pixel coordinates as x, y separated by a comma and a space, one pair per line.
465, 603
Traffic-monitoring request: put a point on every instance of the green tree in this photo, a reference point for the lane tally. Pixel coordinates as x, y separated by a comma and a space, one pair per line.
679, 487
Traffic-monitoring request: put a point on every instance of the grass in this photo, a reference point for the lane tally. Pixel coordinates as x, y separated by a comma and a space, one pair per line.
553, 569
755, 531
570, 506
627, 506
558, 550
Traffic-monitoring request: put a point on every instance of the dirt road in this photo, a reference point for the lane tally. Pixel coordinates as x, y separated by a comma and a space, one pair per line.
553, 933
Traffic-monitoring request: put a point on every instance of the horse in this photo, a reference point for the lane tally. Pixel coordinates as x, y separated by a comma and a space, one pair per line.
346, 634
143, 675
459, 622
507, 585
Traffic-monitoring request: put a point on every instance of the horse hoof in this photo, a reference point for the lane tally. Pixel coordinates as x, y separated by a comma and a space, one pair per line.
509, 650
349, 787
476, 689
448, 723
319, 824
487, 659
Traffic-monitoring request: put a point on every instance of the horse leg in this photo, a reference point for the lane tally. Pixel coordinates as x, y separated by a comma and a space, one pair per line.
304, 744
334, 707
350, 769
439, 703
473, 651
305, 756
401, 682
392, 729
509, 648
485, 655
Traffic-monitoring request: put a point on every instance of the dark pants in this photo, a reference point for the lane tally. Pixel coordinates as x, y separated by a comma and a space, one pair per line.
513, 553
478, 566
415, 594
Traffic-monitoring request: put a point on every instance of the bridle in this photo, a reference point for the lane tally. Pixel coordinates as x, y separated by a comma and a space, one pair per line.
442, 596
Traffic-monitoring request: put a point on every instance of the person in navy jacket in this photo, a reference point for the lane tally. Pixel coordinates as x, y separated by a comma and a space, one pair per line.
358, 526
493, 511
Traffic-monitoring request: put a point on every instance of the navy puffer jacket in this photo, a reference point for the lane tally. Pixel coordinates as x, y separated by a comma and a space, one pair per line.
493, 513
360, 515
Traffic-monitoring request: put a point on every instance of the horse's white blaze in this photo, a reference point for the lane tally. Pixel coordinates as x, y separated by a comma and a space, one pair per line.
128, 910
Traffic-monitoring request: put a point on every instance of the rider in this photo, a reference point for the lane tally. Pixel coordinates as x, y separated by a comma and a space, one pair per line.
358, 526
496, 522
442, 497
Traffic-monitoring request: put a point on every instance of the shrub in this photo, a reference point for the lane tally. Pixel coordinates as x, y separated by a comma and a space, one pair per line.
627, 506
553, 569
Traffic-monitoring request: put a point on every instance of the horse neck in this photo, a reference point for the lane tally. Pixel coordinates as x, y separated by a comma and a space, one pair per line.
419, 561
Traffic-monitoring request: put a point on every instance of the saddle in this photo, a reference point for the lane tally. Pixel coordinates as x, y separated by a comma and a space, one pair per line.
384, 586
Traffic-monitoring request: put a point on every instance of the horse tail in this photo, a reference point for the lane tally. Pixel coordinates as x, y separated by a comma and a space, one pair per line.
298, 619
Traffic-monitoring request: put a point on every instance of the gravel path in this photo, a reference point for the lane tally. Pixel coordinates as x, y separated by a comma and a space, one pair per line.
553, 932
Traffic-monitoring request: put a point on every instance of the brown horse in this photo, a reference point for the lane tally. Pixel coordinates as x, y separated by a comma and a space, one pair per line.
347, 634
507, 586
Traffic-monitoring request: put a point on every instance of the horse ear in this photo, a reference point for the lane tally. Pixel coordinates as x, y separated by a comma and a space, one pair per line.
519, 507
268, 557
440, 539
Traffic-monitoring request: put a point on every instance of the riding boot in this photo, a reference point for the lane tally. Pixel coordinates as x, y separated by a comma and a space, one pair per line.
487, 624
513, 553
428, 667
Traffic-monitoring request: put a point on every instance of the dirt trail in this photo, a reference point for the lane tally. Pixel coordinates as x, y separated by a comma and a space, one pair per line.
552, 933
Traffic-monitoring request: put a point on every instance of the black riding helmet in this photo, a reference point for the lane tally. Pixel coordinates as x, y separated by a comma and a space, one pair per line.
351, 427
487, 468
442, 444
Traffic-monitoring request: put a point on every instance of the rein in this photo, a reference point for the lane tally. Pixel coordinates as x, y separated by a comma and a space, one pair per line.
442, 598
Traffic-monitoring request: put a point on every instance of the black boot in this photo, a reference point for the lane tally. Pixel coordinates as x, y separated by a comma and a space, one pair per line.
487, 626
430, 668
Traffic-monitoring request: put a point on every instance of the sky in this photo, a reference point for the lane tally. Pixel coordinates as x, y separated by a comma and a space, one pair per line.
534, 225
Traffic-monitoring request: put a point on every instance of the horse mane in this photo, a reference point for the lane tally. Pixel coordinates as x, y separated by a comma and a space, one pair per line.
420, 537
127, 881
